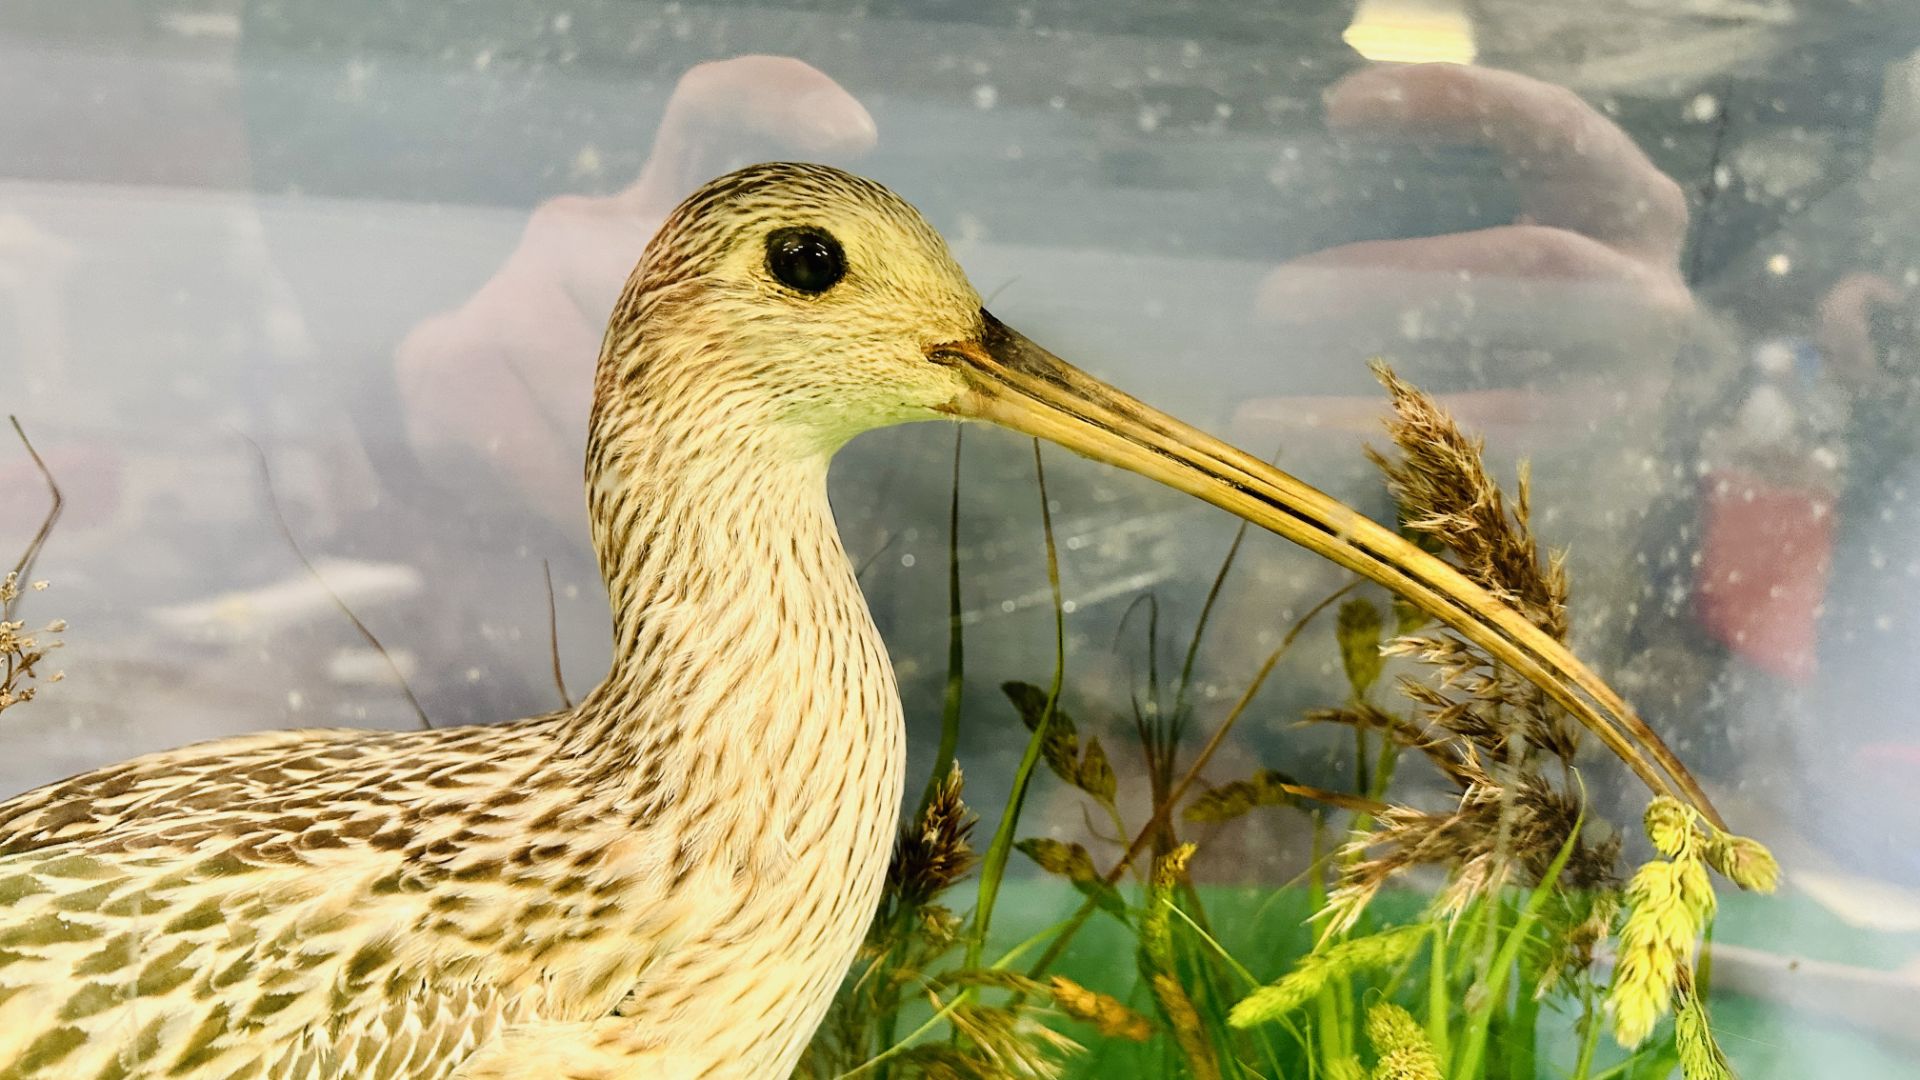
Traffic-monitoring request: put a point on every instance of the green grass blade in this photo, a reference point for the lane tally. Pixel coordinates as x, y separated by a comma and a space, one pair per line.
1439, 997
994, 866
956, 643
1473, 1051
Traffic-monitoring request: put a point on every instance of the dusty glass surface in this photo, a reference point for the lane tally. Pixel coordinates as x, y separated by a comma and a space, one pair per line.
1665, 252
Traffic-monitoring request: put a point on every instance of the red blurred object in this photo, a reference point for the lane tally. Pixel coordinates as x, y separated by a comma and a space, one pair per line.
1881, 754
1766, 552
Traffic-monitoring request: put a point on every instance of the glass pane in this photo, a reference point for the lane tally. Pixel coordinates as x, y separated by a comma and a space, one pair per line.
301, 305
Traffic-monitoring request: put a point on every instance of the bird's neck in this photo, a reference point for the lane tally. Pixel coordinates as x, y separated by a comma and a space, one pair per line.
747, 670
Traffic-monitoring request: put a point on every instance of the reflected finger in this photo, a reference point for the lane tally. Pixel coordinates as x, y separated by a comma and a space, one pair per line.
1572, 167
719, 105
1497, 307
1846, 325
1324, 283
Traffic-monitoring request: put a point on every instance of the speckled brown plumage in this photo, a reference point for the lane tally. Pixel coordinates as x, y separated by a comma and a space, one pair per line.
669, 879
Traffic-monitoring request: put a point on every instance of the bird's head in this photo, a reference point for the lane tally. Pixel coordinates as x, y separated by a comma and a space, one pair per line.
807, 305
811, 297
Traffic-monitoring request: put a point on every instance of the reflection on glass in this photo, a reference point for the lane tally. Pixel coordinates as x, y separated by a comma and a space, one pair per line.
1411, 32
1668, 257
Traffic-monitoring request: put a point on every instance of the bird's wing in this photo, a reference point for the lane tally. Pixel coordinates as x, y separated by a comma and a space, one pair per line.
424, 1032
290, 973
611, 1046
255, 907
207, 779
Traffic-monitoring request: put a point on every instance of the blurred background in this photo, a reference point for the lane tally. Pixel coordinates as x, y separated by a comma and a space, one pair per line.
1669, 253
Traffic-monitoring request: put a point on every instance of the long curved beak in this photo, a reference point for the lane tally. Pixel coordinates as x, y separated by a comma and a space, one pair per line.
1019, 385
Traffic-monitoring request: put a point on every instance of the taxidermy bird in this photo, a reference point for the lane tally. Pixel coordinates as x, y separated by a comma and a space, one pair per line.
670, 878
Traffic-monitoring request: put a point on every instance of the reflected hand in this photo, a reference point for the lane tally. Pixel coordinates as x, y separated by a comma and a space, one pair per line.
1554, 336
1846, 332
1593, 256
508, 374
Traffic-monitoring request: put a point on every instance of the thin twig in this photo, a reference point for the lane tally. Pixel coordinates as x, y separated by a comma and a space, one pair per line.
866, 564
1200, 624
1339, 800
1710, 187
1206, 614
553, 637
21, 568
286, 532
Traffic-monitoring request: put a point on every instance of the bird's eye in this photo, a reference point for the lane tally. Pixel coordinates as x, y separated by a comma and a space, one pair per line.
805, 258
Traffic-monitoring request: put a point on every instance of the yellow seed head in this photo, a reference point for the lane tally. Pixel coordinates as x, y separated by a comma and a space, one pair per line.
1669, 901
1673, 827
1104, 1012
1312, 973
1695, 890
1745, 862
1641, 988
1401, 1044
1172, 866
1188, 1032
1700, 1056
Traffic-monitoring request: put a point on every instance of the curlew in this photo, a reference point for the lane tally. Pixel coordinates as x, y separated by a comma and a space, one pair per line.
669, 879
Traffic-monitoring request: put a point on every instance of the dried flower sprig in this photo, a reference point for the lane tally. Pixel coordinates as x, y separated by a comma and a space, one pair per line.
1493, 828
1482, 728
935, 850
907, 955
1446, 496
1444, 492
1007, 1042
22, 649
1477, 723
